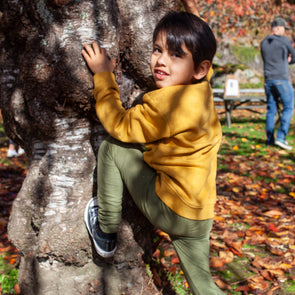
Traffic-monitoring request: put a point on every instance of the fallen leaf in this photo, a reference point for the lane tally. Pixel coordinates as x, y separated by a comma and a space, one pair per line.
273, 213
227, 256
175, 260
259, 283
216, 262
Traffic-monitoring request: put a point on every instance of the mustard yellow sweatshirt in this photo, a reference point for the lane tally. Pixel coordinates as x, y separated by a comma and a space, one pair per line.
182, 134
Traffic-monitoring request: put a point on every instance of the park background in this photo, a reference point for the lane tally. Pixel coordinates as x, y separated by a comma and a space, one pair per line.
253, 239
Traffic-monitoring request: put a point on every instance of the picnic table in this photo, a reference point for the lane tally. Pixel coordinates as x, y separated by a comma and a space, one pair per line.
247, 99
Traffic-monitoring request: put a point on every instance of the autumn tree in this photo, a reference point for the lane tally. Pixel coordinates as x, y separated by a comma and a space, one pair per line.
47, 106
240, 18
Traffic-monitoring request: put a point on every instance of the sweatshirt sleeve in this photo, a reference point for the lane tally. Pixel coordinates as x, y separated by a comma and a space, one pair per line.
140, 124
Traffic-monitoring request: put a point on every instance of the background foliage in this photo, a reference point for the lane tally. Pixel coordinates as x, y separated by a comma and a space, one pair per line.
242, 18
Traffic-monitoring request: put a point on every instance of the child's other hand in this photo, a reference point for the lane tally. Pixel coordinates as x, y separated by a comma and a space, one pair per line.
97, 59
190, 6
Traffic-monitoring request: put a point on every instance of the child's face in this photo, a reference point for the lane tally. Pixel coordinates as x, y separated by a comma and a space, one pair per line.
169, 68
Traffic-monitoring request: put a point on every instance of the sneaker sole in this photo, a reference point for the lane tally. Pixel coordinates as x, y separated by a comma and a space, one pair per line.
99, 251
283, 146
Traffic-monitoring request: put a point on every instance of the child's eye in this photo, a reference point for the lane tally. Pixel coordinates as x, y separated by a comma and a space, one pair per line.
176, 54
156, 50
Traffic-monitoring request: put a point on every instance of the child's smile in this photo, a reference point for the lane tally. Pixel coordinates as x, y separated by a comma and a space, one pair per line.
170, 68
160, 75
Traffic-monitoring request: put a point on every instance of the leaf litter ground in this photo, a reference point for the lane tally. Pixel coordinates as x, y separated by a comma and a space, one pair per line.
12, 174
253, 237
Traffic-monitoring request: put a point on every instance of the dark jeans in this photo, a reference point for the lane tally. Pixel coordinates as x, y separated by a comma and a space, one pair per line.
276, 90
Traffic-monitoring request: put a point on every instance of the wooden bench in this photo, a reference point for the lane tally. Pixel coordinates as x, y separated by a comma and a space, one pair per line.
244, 101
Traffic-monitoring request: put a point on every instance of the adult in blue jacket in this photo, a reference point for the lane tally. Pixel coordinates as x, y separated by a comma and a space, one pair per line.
277, 53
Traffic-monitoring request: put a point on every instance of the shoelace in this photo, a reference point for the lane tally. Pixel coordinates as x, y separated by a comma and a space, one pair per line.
93, 214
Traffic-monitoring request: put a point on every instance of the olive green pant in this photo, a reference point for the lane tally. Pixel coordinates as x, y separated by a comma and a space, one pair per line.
120, 163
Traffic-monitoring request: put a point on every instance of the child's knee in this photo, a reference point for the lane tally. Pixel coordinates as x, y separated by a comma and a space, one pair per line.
105, 148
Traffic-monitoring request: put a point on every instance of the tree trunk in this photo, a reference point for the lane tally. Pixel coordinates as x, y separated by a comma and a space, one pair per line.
48, 108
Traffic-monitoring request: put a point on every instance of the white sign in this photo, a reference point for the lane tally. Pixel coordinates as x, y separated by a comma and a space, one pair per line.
232, 87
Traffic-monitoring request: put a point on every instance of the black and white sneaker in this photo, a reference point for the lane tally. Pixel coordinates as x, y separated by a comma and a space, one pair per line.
105, 244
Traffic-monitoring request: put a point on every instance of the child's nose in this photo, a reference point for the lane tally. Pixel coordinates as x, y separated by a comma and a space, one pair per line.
162, 59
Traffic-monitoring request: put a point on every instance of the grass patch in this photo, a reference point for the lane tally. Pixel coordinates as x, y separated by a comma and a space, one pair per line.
252, 85
247, 137
246, 54
8, 277
178, 285
289, 287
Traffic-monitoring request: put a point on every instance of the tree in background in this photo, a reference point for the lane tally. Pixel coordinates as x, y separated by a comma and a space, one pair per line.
236, 19
47, 107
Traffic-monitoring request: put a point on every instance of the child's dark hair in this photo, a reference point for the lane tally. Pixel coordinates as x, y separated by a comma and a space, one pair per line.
184, 27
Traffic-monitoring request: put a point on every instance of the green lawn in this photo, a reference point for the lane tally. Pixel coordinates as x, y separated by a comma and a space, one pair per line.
247, 134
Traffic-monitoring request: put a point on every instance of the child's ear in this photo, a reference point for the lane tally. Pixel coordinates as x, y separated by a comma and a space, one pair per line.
202, 70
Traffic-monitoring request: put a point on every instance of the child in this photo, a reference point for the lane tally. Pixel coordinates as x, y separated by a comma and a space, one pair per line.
173, 180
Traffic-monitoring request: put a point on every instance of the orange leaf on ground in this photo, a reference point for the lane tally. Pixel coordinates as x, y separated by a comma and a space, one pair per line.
227, 256
217, 245
276, 246
172, 268
272, 227
12, 261
229, 236
222, 284
156, 253
257, 229
244, 288
218, 218
216, 262
258, 262
169, 252
17, 289
270, 292
163, 234
255, 239
6, 249
286, 266
266, 274
175, 260
258, 283
273, 213
235, 251
238, 245
277, 272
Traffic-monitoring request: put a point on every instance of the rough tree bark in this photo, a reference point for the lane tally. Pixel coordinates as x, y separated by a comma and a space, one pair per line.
47, 107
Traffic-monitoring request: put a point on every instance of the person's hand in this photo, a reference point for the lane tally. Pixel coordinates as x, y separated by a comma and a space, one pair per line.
289, 58
97, 59
191, 7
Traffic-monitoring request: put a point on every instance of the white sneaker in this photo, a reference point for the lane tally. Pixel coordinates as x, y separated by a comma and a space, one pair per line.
283, 145
20, 151
12, 153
